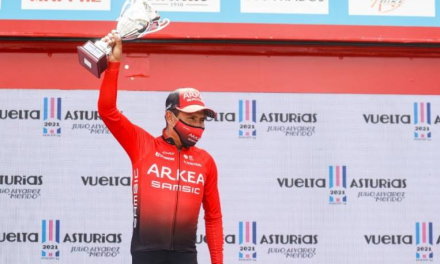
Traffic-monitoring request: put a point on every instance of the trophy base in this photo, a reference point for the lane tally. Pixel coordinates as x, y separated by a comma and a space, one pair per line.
92, 58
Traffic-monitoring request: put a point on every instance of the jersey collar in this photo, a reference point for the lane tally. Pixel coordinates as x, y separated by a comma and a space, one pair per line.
170, 140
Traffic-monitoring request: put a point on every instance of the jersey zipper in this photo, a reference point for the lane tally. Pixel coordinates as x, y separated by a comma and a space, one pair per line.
177, 202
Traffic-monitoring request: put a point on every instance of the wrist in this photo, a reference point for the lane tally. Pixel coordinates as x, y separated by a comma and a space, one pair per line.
113, 59
113, 65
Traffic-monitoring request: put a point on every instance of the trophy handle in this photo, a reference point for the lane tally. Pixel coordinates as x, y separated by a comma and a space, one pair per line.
156, 26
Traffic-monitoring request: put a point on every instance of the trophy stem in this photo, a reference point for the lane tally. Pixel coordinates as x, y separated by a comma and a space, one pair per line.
103, 46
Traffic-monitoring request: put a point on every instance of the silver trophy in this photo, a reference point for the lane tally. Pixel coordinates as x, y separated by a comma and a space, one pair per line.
137, 19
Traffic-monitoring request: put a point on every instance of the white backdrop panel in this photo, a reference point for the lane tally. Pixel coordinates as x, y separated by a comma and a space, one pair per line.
278, 178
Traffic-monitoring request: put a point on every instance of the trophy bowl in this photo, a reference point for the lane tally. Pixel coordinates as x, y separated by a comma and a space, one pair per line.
137, 19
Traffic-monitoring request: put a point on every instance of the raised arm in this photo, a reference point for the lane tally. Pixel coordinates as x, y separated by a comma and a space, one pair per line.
213, 216
132, 138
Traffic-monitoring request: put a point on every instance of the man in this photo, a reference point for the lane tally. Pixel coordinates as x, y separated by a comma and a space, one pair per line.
171, 177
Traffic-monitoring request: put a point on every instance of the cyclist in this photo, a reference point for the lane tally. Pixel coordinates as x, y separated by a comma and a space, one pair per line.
172, 178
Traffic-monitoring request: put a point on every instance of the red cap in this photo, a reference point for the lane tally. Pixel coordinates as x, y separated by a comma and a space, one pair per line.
188, 100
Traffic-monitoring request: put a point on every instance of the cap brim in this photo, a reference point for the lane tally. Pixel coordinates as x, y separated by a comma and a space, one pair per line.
195, 108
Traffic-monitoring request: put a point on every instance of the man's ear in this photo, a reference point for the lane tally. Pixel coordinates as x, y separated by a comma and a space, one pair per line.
169, 117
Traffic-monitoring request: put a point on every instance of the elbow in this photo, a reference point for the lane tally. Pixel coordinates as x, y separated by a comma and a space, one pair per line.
108, 112
101, 110
213, 218
104, 109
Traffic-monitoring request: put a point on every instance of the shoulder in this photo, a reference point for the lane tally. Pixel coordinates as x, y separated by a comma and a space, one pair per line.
203, 156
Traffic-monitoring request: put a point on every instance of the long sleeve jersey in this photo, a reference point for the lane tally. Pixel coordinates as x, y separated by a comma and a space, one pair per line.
169, 185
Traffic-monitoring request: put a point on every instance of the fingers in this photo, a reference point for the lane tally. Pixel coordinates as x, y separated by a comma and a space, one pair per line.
115, 34
112, 38
108, 40
117, 38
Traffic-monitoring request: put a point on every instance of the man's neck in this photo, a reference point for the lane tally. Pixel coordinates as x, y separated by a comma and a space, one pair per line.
172, 134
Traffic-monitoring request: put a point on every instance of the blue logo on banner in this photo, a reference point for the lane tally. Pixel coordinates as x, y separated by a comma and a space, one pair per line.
52, 116
338, 184
247, 117
422, 121
424, 241
51, 239
247, 241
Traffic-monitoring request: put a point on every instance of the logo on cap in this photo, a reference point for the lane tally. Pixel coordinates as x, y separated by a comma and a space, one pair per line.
190, 95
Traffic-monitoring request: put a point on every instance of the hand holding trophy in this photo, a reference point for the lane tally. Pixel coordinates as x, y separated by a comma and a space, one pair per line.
137, 19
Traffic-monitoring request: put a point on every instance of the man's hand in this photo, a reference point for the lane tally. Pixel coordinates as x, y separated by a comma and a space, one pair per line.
114, 40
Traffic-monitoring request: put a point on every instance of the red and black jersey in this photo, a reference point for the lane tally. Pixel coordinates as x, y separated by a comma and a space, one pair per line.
169, 185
